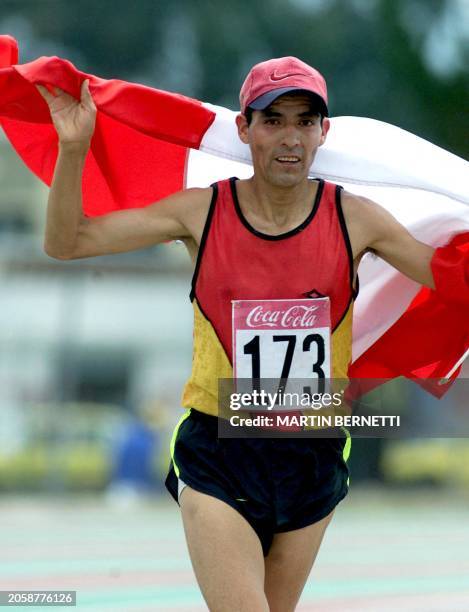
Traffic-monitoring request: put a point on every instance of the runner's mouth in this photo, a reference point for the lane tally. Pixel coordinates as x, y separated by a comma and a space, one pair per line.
288, 160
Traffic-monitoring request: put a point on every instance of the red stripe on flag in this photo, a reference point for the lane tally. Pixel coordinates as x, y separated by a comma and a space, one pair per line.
138, 152
433, 333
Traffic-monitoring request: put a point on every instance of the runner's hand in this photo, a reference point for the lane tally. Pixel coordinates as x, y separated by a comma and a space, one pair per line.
74, 120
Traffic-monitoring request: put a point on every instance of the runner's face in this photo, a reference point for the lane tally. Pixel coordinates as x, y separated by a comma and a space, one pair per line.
284, 139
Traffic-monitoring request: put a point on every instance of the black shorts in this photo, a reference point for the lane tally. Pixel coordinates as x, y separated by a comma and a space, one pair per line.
276, 484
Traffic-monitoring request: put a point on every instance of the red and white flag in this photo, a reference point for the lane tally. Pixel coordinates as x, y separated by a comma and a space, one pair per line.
149, 143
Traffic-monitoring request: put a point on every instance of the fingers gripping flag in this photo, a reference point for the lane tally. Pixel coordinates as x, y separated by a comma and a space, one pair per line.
149, 143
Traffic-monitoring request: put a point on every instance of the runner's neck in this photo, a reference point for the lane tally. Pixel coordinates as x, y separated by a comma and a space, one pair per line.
274, 207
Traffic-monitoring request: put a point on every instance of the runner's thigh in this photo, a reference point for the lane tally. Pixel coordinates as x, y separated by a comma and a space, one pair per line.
225, 552
289, 562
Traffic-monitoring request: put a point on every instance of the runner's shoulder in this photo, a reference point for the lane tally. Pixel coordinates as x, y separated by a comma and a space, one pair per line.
369, 222
194, 205
360, 210
185, 211
184, 206
195, 198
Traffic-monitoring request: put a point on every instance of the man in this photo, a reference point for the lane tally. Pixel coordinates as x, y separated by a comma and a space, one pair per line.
254, 511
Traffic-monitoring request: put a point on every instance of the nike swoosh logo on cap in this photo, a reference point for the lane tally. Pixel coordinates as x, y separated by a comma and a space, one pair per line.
280, 77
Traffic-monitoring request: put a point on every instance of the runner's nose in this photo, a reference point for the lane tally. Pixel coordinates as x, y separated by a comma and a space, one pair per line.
290, 136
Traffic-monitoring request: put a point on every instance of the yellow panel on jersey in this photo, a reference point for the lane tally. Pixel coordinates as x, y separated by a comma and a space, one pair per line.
341, 345
210, 362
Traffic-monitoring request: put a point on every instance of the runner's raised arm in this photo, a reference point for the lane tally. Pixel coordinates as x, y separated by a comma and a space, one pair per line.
71, 235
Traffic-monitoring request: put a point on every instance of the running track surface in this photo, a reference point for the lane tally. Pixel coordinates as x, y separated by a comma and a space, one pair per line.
384, 551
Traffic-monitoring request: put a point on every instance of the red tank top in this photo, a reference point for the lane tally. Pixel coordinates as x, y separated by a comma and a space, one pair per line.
237, 262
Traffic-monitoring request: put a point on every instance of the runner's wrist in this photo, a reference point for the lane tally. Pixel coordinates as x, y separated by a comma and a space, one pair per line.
75, 148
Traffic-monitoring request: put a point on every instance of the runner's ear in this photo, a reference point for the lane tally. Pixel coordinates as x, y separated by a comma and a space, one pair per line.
243, 127
326, 124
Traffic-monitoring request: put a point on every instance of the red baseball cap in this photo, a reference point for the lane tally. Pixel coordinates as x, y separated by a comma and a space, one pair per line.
269, 80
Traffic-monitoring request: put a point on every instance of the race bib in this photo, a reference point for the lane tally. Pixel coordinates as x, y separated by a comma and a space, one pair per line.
287, 341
